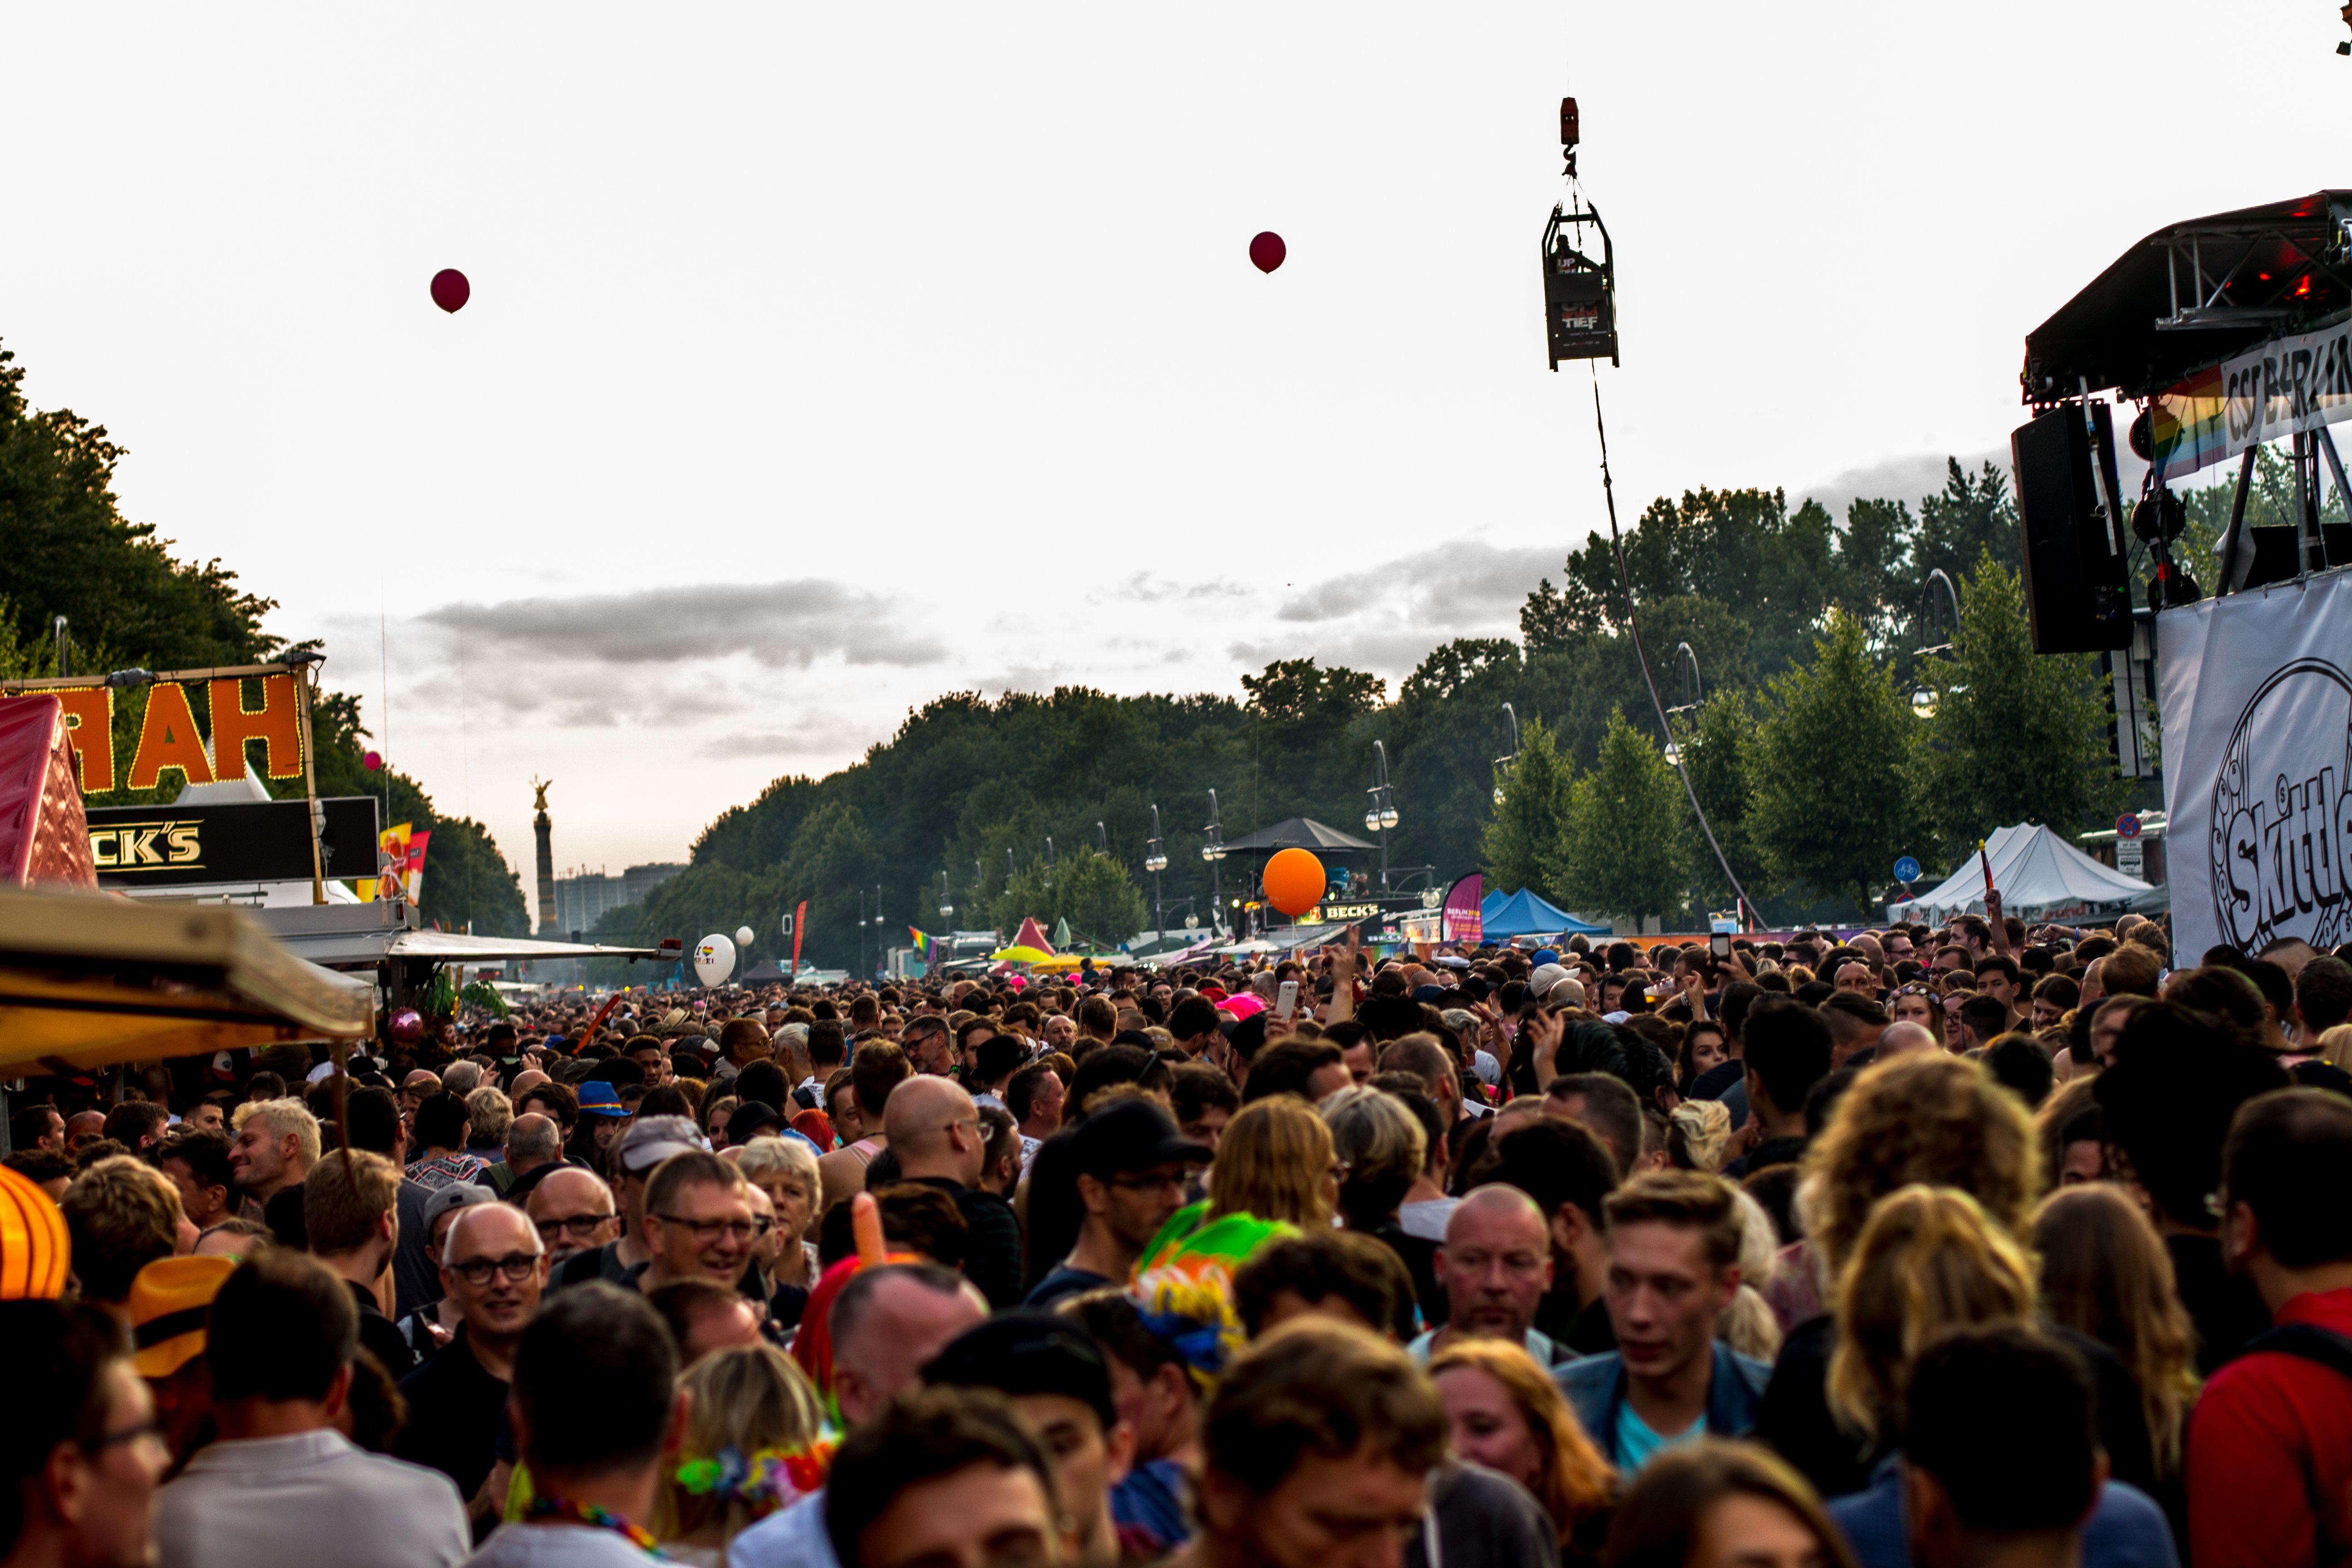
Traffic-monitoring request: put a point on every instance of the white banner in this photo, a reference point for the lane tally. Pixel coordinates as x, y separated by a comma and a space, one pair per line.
2273, 389
2257, 736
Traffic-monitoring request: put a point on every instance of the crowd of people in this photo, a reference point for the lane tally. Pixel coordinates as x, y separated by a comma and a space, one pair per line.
1950, 1247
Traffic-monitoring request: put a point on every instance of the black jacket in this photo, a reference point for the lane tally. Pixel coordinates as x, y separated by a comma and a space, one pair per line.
992, 1257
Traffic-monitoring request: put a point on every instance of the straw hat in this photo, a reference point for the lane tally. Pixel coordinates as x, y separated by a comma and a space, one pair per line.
170, 1300
33, 1248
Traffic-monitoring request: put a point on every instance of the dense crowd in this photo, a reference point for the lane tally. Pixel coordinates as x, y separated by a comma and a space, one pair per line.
1948, 1246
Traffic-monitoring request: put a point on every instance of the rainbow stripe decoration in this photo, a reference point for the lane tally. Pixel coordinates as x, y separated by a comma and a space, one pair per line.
922, 942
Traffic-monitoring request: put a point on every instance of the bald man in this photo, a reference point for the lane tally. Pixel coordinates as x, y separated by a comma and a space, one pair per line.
1901, 1037
1495, 1268
935, 1131
573, 1211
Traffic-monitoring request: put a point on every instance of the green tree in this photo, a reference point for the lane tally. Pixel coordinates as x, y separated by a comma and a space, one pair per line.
1971, 516
1526, 836
1830, 804
69, 552
1628, 824
1719, 757
2015, 736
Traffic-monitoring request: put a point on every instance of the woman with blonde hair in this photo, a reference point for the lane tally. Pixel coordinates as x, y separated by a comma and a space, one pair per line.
753, 1443
1509, 1415
1275, 1161
1916, 1003
2105, 1274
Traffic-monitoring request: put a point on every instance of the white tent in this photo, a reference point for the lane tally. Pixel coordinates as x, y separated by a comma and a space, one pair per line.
2040, 878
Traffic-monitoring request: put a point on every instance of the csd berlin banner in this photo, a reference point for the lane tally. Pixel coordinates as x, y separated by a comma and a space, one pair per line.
2283, 386
2257, 705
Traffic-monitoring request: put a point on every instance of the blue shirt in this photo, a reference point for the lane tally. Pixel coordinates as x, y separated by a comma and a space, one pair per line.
1151, 1500
795, 1538
1637, 1443
2127, 1529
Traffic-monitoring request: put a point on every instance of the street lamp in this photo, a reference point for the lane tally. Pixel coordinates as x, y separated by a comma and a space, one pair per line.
1382, 814
947, 908
1155, 860
1510, 759
1102, 836
1213, 852
1923, 696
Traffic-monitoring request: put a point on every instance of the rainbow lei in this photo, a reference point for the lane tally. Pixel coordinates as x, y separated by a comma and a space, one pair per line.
555, 1511
766, 1481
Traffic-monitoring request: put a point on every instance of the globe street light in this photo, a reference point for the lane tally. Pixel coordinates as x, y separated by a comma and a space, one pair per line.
1213, 852
947, 908
1510, 759
1155, 860
1382, 814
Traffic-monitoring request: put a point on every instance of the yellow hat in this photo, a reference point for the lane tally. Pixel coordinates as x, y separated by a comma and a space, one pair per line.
169, 1304
34, 1249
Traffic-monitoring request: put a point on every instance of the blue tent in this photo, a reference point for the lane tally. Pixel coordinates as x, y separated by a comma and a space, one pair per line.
1524, 914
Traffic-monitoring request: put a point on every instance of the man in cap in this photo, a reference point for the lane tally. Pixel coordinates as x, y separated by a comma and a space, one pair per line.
1131, 1164
648, 1142
169, 1304
1057, 1381
432, 1325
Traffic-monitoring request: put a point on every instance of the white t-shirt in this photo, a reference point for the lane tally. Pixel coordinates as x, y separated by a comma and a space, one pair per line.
558, 1546
1427, 1220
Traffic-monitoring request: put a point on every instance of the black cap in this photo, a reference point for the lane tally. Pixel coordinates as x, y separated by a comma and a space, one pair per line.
1024, 1352
1129, 1136
748, 1118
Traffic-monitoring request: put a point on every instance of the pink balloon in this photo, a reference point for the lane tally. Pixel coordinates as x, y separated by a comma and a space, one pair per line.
406, 1025
371, 761
1267, 250
450, 290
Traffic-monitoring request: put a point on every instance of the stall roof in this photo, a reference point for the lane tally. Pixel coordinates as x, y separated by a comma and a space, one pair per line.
1528, 913
351, 936
88, 980
2109, 333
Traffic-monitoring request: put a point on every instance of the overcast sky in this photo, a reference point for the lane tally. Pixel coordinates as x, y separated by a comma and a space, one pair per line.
824, 358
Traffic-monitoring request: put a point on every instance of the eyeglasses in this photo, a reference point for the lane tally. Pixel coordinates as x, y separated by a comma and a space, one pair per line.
515, 1266
710, 1230
151, 1427
576, 1224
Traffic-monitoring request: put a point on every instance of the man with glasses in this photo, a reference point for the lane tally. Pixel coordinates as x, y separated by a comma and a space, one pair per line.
83, 1453
494, 1266
573, 1212
700, 1224
1131, 1164
929, 1052
935, 1131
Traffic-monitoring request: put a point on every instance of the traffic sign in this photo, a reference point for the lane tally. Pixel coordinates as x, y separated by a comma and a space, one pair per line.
1907, 870
2128, 826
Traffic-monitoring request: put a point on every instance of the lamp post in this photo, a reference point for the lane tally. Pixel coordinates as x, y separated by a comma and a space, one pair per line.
1155, 860
1687, 673
881, 947
1010, 871
1510, 759
861, 930
947, 907
1383, 814
1102, 836
1923, 698
1213, 852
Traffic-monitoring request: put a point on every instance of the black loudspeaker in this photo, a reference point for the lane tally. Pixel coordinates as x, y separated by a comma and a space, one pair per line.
2077, 594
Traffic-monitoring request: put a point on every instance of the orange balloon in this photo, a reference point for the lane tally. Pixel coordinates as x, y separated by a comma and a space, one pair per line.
1295, 881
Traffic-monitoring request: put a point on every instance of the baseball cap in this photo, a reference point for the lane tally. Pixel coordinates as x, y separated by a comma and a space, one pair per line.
170, 1300
456, 1195
1028, 1352
1545, 977
1129, 1136
650, 1140
1544, 955
597, 1099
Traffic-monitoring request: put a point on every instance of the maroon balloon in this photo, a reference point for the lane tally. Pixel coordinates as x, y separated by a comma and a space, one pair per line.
1267, 250
371, 761
407, 1025
450, 290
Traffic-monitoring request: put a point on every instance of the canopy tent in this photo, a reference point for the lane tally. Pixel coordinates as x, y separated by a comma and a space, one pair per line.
1032, 934
1526, 913
89, 980
2040, 878
764, 973
1297, 832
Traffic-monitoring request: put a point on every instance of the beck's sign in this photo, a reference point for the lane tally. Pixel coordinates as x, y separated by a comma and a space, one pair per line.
265, 841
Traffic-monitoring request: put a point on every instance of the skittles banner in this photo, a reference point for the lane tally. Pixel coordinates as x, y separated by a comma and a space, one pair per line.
254, 716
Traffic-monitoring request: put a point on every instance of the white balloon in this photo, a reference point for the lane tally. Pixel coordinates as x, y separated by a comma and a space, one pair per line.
742, 936
714, 960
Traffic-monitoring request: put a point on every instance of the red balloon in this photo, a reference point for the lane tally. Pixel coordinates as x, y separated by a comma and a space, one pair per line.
450, 290
406, 1025
1267, 250
371, 761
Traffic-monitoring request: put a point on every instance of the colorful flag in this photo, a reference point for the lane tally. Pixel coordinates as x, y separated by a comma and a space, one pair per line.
922, 942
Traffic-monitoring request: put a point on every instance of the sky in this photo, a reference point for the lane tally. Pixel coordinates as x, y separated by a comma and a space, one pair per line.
823, 359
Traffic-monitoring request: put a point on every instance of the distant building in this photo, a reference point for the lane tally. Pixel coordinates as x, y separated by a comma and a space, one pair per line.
583, 898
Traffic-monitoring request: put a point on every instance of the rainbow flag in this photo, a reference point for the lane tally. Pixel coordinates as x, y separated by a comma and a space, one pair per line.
922, 942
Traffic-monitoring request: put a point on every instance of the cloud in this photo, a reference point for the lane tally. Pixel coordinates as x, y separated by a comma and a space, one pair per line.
781, 626
1904, 478
1449, 585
